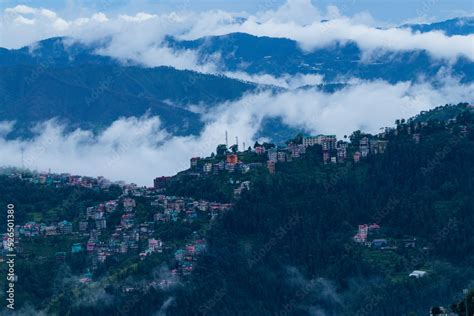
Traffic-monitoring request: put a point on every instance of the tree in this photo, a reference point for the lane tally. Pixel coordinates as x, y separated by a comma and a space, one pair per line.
268, 145
460, 307
221, 150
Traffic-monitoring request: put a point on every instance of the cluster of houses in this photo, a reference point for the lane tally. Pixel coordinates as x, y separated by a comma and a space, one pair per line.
333, 151
230, 164
363, 231
33, 229
65, 179
129, 235
172, 208
366, 233
187, 256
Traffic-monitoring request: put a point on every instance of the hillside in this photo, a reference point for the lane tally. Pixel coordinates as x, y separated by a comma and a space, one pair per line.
279, 56
93, 96
456, 26
287, 246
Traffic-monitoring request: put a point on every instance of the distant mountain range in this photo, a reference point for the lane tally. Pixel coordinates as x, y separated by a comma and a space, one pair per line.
91, 91
62, 78
338, 62
456, 26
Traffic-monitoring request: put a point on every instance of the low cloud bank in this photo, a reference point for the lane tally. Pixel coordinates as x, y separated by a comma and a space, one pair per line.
138, 149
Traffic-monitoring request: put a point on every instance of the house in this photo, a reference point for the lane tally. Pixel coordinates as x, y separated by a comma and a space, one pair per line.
154, 245
77, 247
310, 140
357, 156
207, 167
220, 165
123, 248
326, 156
30, 229
243, 168
194, 162
90, 212
417, 274
111, 206
379, 243
259, 150
101, 256
230, 167
281, 156
342, 151
128, 203
272, 154
179, 254
362, 233
83, 224
364, 146
90, 246
232, 159
378, 146
409, 242
51, 230
328, 142
101, 223
374, 226
65, 227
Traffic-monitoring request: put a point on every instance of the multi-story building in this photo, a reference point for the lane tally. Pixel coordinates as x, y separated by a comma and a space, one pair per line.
342, 151
364, 146
207, 167
272, 154
194, 162
259, 150
281, 156
357, 156
232, 159
65, 227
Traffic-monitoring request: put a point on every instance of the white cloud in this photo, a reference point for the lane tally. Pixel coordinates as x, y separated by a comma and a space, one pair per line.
297, 19
21, 9
299, 11
286, 81
138, 149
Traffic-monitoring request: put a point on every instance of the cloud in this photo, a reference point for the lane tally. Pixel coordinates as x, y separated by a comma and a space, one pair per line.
138, 149
297, 19
286, 81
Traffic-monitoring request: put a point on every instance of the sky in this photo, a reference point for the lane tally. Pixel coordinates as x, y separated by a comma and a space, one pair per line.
138, 149
383, 11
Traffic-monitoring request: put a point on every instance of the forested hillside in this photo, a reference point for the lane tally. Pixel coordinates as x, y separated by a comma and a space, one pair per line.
286, 247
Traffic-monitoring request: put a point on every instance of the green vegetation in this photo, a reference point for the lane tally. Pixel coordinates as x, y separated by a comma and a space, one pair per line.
286, 248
